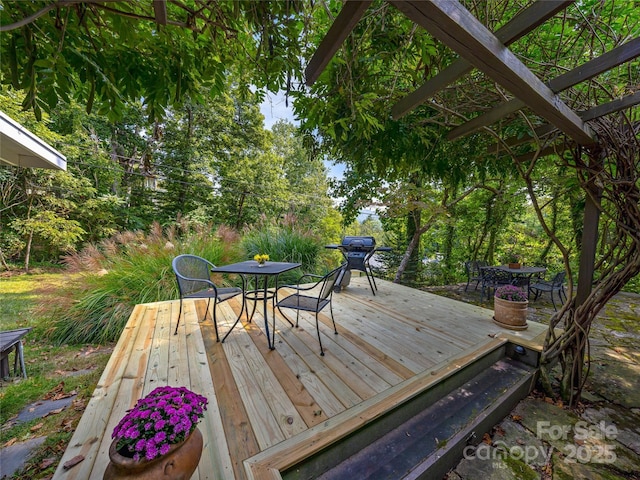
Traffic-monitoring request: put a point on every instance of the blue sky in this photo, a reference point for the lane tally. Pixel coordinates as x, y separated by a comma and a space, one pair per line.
274, 108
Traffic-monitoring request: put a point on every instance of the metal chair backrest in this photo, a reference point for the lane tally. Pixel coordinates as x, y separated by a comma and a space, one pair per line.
192, 273
328, 283
473, 267
558, 279
469, 268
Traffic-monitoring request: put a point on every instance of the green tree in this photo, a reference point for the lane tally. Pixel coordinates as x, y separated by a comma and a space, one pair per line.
37, 205
390, 162
250, 179
109, 54
305, 174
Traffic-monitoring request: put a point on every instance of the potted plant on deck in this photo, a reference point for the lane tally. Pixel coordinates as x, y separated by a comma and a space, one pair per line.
158, 437
510, 305
514, 260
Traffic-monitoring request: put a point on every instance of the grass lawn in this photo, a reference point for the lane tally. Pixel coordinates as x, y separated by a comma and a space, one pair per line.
53, 372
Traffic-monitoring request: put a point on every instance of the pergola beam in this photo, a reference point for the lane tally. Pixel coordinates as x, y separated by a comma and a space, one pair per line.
586, 115
520, 25
539, 132
611, 107
486, 119
456, 27
160, 10
590, 69
342, 26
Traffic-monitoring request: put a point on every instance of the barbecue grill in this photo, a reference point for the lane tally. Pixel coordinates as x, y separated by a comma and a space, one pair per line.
357, 251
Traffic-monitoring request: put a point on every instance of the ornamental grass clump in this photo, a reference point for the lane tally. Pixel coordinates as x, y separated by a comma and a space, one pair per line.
131, 268
511, 293
165, 417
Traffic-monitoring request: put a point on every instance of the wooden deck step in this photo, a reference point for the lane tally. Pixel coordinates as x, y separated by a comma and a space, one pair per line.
428, 437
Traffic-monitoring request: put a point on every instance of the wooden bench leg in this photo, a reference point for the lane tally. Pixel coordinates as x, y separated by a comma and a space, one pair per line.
21, 353
4, 365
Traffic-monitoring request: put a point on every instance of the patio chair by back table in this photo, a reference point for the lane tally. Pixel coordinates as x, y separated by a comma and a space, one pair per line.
473, 271
493, 278
555, 285
193, 274
315, 302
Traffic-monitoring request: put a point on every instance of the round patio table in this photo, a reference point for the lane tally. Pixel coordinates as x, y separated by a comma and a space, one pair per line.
520, 276
522, 271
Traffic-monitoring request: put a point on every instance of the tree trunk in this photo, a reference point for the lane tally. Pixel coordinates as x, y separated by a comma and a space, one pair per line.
435, 215
554, 224
27, 253
492, 224
240, 208
413, 227
448, 260
611, 176
415, 241
569, 347
3, 260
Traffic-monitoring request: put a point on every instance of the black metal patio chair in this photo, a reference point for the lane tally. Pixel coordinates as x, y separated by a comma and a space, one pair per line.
309, 298
532, 280
493, 278
193, 275
474, 273
555, 285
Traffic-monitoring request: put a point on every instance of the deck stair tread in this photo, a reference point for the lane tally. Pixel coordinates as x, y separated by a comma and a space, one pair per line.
424, 437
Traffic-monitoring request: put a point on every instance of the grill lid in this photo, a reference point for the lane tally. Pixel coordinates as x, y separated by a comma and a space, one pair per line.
358, 244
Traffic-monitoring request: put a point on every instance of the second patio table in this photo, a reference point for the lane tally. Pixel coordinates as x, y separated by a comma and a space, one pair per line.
260, 273
520, 276
519, 272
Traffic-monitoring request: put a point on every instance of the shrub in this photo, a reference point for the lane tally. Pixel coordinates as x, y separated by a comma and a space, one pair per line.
123, 271
286, 244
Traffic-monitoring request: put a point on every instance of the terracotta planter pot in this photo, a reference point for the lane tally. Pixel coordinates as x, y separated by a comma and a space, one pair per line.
514, 265
511, 315
178, 464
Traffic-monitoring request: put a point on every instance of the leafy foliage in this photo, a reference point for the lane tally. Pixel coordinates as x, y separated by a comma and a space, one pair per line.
129, 269
133, 268
100, 54
212, 163
285, 242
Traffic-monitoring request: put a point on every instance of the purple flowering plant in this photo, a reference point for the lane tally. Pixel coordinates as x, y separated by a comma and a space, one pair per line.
164, 417
511, 293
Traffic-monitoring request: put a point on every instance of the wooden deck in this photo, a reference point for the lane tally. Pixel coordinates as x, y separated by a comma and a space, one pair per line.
270, 409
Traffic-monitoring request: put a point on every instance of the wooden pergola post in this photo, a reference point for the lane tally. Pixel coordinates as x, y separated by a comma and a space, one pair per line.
589, 244
587, 263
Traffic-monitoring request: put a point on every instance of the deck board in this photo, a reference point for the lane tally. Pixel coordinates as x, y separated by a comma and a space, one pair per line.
268, 409
218, 463
236, 428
